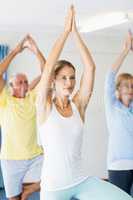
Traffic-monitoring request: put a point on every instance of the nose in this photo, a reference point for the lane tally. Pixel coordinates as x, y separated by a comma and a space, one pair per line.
130, 87
68, 82
130, 90
24, 86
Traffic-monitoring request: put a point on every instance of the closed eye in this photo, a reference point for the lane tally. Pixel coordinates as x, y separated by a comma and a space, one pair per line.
72, 77
64, 78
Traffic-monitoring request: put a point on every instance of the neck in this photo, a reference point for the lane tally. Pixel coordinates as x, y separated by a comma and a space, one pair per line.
126, 102
17, 95
62, 102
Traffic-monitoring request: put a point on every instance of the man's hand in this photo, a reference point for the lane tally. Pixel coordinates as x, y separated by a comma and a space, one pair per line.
30, 44
20, 47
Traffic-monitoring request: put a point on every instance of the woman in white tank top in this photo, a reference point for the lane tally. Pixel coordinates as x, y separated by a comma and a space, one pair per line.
60, 123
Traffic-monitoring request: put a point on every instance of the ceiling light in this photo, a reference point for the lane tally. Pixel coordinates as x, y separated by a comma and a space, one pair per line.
103, 21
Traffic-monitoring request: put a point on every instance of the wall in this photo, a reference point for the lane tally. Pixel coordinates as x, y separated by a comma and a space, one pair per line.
105, 48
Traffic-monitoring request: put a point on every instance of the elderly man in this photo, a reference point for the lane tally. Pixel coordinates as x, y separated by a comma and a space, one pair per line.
21, 157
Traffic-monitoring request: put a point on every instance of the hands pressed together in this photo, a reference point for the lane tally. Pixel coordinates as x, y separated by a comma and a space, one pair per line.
128, 45
70, 24
29, 43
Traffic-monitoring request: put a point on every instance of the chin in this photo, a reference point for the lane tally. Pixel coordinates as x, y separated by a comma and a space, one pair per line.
22, 95
67, 93
131, 99
128, 98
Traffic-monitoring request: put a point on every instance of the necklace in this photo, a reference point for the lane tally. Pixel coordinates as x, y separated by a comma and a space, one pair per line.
65, 106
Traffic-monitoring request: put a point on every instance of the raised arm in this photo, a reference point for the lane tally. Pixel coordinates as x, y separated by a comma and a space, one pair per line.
32, 46
87, 80
110, 88
127, 47
44, 85
6, 62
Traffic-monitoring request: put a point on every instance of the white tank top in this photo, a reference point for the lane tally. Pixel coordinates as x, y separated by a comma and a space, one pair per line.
61, 138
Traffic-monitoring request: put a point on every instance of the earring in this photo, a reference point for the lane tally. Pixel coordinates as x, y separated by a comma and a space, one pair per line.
53, 86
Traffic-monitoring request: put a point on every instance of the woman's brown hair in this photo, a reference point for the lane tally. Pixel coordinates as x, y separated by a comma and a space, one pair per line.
62, 63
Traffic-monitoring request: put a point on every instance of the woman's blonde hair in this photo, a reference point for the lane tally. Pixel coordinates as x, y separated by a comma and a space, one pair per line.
123, 77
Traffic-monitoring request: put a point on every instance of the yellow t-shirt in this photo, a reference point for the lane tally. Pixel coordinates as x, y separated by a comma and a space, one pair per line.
18, 127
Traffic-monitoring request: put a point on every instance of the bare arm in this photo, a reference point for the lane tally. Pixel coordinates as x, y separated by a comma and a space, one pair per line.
34, 83
31, 45
44, 84
6, 62
127, 47
87, 81
42, 61
110, 87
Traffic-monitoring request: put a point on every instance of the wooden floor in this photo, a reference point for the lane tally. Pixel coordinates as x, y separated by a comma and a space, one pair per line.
35, 196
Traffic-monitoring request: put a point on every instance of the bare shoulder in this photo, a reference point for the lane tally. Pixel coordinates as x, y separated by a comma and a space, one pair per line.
44, 110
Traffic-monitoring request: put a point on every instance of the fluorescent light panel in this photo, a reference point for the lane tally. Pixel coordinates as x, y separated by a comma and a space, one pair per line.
103, 21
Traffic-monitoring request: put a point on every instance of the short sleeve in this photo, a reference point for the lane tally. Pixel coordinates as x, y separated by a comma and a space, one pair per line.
32, 95
3, 97
38, 137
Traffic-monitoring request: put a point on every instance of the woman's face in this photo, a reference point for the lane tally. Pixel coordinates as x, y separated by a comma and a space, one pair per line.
65, 81
126, 90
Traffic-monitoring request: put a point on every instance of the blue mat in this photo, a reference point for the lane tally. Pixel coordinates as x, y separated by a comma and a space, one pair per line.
2, 195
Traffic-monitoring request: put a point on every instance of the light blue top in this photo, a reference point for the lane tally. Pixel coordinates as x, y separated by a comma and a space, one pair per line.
119, 123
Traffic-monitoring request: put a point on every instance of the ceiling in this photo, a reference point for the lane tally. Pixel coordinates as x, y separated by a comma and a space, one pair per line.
46, 15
